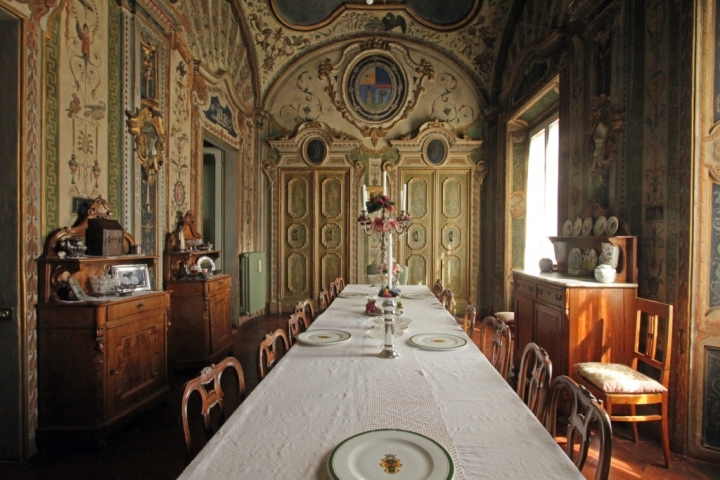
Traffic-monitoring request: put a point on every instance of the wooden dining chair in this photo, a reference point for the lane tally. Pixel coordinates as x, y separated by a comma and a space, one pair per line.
447, 298
331, 292
467, 321
438, 288
630, 385
323, 301
534, 378
496, 343
340, 282
271, 352
297, 323
306, 306
214, 400
576, 409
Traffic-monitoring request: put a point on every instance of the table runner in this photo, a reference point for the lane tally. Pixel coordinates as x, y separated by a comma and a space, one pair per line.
316, 397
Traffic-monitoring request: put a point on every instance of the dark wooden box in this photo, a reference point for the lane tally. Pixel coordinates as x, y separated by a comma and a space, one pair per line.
104, 237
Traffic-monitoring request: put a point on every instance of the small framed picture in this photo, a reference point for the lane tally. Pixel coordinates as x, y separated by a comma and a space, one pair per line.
436, 151
315, 151
77, 290
132, 275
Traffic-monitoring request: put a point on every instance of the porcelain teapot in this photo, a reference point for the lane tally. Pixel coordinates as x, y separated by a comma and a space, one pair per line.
605, 273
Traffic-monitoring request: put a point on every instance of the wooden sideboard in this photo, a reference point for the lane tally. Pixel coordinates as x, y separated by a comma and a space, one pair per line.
102, 359
574, 319
201, 319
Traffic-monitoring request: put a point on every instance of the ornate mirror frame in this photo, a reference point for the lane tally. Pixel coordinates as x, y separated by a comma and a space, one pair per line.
146, 125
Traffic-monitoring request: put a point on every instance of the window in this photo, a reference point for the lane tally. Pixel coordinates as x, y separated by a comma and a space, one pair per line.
542, 192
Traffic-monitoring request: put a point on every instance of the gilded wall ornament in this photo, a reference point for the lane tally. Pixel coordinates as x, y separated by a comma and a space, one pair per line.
146, 125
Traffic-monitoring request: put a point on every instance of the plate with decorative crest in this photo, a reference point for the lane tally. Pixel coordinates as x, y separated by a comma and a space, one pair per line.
400, 454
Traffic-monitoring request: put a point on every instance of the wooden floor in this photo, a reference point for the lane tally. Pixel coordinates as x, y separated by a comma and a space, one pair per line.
151, 447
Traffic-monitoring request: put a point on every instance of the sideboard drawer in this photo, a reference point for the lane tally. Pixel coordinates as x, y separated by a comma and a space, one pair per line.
525, 287
141, 304
551, 294
218, 284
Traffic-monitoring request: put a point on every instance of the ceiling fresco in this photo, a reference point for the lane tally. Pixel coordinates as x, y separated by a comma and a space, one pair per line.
475, 46
311, 12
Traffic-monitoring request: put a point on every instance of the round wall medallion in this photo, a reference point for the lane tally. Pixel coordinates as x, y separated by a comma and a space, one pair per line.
315, 151
435, 151
376, 89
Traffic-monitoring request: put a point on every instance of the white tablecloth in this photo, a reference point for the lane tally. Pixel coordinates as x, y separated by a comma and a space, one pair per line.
317, 396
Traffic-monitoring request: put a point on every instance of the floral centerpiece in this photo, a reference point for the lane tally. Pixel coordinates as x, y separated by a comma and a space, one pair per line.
389, 292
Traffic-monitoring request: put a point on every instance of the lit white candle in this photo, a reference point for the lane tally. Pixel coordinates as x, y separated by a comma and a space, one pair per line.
389, 262
384, 184
403, 198
363, 199
407, 197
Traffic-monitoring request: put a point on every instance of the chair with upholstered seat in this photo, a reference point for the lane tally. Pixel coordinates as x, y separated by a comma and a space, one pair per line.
270, 351
617, 384
534, 378
214, 400
306, 306
323, 301
496, 343
438, 288
297, 323
574, 407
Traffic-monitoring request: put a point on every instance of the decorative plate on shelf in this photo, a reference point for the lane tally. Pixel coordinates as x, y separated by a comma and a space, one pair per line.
611, 227
568, 228
577, 227
587, 226
600, 224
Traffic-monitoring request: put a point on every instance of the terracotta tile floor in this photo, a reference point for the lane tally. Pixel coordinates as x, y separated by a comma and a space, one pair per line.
151, 447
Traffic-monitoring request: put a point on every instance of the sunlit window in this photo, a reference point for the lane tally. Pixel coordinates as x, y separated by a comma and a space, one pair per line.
542, 193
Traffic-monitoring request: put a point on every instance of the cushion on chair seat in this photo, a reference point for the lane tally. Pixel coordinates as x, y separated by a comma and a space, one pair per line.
617, 378
508, 318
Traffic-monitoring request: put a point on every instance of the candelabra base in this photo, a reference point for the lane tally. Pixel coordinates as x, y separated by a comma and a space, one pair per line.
389, 353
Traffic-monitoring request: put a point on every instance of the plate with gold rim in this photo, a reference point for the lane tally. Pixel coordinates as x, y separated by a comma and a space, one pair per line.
375, 454
437, 341
323, 336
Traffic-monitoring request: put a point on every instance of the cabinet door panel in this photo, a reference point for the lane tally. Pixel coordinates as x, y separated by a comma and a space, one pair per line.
136, 361
220, 323
551, 334
524, 319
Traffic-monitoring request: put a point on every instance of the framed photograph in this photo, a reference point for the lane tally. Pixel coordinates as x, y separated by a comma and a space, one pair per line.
77, 289
136, 275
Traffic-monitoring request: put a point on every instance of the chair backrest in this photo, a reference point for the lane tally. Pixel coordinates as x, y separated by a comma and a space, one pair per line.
323, 301
534, 378
447, 298
653, 347
212, 398
340, 284
438, 288
496, 343
331, 292
403, 275
582, 416
306, 306
297, 323
270, 352
469, 319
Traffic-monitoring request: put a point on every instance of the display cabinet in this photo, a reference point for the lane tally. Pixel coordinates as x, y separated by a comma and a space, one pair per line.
101, 357
200, 299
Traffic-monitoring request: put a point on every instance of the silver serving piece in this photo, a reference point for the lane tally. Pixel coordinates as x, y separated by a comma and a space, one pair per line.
389, 314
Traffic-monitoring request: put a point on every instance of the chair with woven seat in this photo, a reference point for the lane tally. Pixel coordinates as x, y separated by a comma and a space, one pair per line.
306, 306
297, 323
631, 385
496, 343
214, 400
323, 301
437, 289
574, 407
534, 378
270, 351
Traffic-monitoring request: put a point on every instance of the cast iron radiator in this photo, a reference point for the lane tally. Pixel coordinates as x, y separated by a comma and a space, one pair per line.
253, 282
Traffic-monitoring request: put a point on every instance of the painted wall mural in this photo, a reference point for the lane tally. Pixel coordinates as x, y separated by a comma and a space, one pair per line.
475, 46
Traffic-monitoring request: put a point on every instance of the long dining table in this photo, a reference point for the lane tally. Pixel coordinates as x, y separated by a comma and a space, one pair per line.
318, 396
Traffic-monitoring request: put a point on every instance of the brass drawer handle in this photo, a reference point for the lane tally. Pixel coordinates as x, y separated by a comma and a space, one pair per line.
540, 291
558, 296
140, 305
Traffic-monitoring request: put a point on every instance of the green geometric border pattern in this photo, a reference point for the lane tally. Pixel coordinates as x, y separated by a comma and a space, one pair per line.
52, 117
114, 117
519, 180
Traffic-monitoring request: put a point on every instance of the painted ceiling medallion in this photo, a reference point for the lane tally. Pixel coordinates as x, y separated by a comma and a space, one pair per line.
368, 85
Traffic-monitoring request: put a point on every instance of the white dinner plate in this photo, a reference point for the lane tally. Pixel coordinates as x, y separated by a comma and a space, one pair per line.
612, 226
577, 227
352, 295
400, 454
587, 226
321, 336
417, 296
599, 228
437, 341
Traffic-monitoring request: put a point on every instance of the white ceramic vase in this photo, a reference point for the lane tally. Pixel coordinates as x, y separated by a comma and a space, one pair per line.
605, 273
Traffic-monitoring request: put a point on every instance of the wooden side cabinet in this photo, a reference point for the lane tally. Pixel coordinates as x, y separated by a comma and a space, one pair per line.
100, 359
201, 320
574, 320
